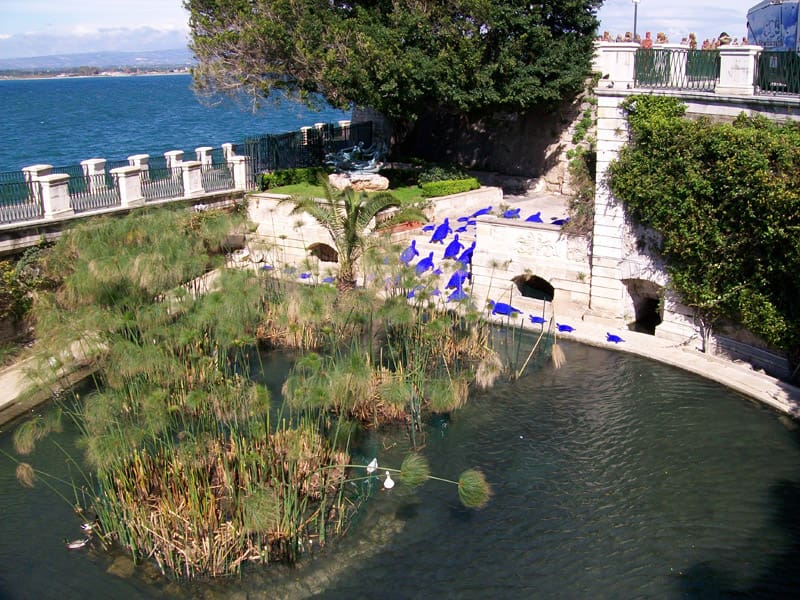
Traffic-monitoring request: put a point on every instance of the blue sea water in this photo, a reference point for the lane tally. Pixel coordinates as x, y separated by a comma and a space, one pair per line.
65, 120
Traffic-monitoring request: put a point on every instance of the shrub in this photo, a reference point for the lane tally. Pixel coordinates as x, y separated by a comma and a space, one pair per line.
433, 189
442, 173
284, 177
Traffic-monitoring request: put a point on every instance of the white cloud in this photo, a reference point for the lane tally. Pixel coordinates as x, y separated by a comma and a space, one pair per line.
677, 18
34, 16
110, 39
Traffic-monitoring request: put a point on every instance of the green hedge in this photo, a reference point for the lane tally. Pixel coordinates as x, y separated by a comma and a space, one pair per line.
284, 177
432, 189
442, 173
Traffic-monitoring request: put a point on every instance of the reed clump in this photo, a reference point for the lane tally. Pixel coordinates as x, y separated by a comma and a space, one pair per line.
193, 465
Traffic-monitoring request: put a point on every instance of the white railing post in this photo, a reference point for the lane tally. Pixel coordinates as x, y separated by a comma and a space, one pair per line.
192, 177
129, 183
92, 169
344, 129
32, 176
143, 162
737, 69
173, 158
55, 196
227, 151
204, 155
238, 166
615, 63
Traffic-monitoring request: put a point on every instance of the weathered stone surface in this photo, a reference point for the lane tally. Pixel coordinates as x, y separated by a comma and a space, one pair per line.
360, 182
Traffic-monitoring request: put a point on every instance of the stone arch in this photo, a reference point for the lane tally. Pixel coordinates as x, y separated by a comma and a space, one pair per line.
324, 252
647, 299
533, 286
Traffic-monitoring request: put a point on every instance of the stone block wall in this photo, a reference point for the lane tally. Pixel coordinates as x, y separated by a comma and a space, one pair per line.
282, 239
511, 249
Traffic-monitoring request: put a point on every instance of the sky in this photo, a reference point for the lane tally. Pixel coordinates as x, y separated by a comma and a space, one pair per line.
43, 27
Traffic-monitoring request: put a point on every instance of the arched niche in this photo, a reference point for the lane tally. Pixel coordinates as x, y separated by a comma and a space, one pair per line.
533, 286
324, 253
648, 306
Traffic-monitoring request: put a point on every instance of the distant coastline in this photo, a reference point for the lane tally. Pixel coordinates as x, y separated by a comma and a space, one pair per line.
76, 73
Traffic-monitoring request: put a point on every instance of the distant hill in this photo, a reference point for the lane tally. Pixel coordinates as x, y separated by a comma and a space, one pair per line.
104, 60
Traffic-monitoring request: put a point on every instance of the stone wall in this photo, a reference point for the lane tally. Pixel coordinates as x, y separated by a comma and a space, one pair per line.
509, 249
530, 145
281, 239
622, 264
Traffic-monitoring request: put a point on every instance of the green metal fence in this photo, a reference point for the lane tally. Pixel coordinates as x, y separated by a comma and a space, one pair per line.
777, 73
677, 69
20, 201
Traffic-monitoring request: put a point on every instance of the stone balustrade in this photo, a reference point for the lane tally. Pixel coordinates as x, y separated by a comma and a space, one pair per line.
616, 62
132, 185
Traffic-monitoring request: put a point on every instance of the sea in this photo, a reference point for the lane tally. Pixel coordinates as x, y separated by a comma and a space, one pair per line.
62, 121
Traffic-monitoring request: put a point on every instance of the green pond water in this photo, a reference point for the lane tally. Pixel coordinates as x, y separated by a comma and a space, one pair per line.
613, 477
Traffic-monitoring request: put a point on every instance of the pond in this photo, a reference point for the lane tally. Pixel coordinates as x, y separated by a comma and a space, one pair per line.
613, 477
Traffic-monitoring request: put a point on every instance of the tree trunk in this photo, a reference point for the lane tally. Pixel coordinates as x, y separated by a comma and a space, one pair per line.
346, 281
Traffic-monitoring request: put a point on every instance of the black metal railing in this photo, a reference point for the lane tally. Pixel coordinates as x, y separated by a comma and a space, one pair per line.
677, 69
305, 148
777, 73
162, 183
92, 192
20, 201
216, 177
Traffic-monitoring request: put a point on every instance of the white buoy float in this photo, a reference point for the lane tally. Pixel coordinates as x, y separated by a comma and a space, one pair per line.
388, 482
372, 466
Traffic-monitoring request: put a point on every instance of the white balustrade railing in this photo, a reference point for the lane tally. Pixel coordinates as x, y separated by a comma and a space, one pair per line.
615, 61
125, 187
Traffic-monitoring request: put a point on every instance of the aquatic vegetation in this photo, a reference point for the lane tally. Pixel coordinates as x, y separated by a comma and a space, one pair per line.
192, 464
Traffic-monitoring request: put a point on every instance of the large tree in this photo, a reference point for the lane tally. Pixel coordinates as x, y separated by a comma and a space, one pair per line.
400, 57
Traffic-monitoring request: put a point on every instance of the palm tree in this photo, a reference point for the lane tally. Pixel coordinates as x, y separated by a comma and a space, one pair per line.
348, 218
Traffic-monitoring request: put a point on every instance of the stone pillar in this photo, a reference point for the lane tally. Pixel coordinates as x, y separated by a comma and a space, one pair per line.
94, 170
55, 196
129, 183
344, 129
174, 158
615, 63
228, 152
607, 289
240, 171
143, 162
32, 176
204, 155
192, 177
737, 70
304, 131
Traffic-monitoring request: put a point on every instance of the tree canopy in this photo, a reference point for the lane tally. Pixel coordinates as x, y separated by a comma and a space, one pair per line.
400, 57
724, 198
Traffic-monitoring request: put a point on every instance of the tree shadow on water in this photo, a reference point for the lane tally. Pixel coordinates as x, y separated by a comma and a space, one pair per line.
781, 575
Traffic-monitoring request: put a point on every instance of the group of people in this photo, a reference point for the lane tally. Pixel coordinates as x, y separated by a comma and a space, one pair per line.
661, 38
